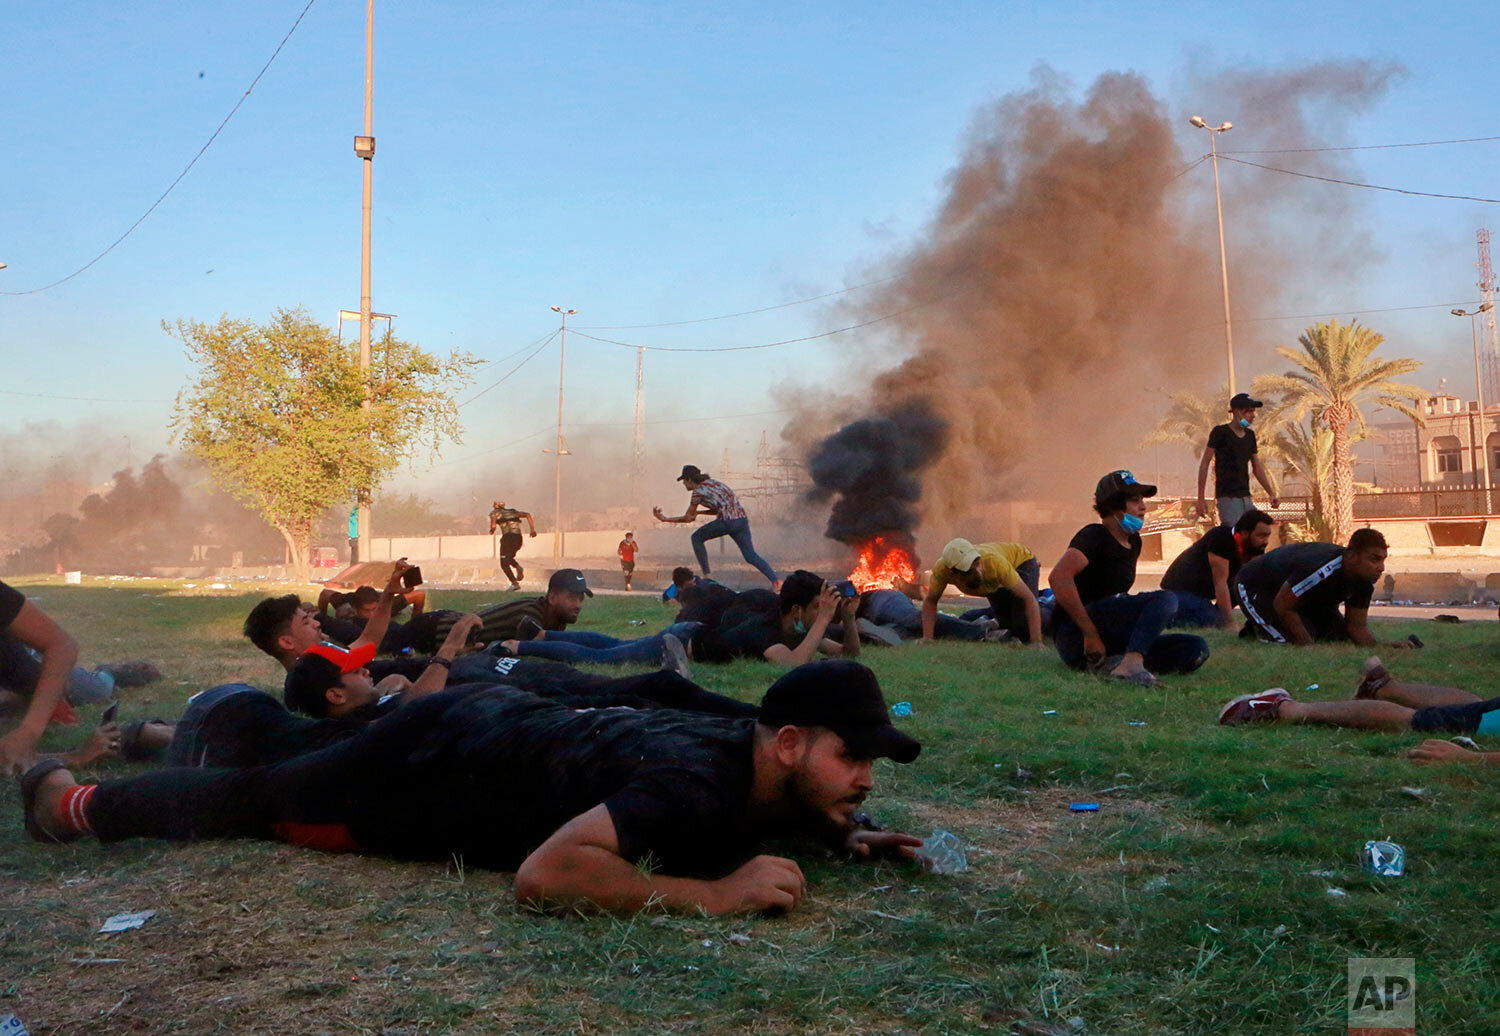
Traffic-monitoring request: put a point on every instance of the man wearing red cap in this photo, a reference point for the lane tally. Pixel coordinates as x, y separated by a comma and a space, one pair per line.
577, 801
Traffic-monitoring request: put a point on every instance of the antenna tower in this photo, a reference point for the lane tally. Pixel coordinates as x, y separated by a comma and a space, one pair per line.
638, 451
1490, 350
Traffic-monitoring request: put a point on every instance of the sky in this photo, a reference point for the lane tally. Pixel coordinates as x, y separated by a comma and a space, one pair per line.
642, 163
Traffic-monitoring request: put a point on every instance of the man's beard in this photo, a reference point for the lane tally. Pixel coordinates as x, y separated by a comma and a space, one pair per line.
802, 799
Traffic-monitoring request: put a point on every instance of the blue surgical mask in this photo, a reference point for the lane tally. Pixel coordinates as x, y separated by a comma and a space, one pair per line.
1131, 524
800, 626
1244, 423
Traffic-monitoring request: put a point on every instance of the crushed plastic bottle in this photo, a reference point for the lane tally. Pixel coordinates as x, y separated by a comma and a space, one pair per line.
1386, 859
943, 853
901, 708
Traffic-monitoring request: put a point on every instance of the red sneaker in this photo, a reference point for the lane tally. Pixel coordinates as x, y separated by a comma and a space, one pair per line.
64, 715
1253, 708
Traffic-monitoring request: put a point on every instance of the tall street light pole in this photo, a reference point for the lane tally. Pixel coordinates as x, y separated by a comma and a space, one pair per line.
1213, 142
1480, 453
562, 360
364, 147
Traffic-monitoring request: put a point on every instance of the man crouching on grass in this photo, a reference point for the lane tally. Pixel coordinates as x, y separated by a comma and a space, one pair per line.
611, 808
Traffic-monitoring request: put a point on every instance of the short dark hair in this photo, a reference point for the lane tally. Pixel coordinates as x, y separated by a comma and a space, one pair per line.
269, 619
682, 575
1115, 502
800, 589
1251, 518
1367, 539
363, 596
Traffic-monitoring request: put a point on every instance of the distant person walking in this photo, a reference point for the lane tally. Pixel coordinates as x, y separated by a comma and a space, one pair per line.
626, 550
508, 521
710, 496
1234, 453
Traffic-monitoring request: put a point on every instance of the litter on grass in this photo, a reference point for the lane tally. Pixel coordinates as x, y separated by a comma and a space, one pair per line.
1084, 807
901, 708
942, 853
125, 922
10, 1025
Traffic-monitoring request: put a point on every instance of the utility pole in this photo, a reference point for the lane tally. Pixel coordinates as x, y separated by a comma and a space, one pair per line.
1213, 141
1480, 454
364, 147
562, 360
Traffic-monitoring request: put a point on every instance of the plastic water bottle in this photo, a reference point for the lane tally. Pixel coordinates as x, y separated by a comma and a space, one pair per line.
943, 853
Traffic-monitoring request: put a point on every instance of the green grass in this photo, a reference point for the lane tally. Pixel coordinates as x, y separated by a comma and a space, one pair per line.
1207, 840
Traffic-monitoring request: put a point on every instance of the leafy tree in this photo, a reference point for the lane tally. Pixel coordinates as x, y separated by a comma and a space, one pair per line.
1307, 457
411, 515
1337, 373
275, 413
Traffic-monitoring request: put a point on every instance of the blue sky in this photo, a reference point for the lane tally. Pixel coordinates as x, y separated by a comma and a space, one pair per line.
641, 162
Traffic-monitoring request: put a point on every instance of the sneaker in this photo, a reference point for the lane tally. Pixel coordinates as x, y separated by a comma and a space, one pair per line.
674, 656
515, 585
1372, 677
880, 634
1253, 708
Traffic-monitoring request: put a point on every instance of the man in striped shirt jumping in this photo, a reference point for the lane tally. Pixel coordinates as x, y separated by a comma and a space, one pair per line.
710, 496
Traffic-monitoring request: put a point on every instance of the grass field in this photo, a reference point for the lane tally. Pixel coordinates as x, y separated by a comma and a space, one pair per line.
1195, 901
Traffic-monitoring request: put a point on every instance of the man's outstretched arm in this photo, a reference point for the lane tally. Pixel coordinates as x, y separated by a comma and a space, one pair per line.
581, 866
59, 650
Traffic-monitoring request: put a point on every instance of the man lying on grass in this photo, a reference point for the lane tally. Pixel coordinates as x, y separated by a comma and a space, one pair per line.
611, 808
1380, 702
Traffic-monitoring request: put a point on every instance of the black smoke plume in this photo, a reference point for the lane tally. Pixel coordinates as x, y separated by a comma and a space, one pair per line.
872, 468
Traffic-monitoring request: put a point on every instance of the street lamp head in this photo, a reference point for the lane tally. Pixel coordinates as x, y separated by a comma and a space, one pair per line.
2, 266
572, 311
557, 309
1225, 127
1197, 120
1458, 312
1485, 308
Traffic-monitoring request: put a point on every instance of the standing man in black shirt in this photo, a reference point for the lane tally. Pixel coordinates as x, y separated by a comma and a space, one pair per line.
1292, 595
1202, 576
1098, 622
578, 802
508, 521
1233, 449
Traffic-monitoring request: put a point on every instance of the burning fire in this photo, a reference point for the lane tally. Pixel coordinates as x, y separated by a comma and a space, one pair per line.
881, 564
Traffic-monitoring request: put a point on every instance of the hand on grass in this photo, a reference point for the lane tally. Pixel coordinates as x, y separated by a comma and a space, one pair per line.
17, 752
1093, 647
765, 883
1435, 751
888, 845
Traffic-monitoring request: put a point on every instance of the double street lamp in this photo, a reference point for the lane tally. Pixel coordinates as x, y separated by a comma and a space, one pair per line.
1213, 141
1480, 453
562, 359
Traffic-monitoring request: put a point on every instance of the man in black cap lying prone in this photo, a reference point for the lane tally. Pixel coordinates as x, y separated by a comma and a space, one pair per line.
611, 808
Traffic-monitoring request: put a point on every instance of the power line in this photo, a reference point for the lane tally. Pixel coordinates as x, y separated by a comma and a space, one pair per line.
1359, 147
762, 345
1194, 164
1356, 183
518, 352
186, 169
742, 313
545, 342
1360, 312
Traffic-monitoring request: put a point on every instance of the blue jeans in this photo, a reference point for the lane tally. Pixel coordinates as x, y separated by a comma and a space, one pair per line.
1133, 622
21, 667
1194, 610
1233, 508
893, 608
737, 529
565, 646
187, 747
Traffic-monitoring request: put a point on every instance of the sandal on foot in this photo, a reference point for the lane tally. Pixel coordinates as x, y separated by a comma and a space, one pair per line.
30, 781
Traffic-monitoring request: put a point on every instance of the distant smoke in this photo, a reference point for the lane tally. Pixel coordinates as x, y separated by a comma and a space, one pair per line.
872, 470
1070, 278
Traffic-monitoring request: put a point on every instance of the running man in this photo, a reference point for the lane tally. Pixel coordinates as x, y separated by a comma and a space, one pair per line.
508, 521
710, 496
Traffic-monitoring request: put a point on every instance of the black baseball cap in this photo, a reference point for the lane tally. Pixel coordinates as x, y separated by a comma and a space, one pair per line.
1242, 401
845, 697
1121, 483
690, 471
569, 581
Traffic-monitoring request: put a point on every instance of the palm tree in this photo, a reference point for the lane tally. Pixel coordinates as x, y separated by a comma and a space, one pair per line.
1307, 456
1339, 372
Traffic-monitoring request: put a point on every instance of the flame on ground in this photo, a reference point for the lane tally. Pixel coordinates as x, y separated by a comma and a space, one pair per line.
881, 564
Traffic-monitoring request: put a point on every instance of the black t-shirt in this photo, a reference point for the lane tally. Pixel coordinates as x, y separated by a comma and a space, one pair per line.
1316, 574
11, 602
1191, 572
1232, 455
704, 600
422, 634
744, 630
491, 773
1111, 567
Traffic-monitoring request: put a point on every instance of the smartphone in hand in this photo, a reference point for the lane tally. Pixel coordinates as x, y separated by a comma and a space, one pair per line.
108, 716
